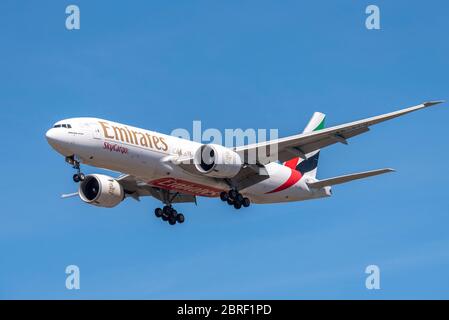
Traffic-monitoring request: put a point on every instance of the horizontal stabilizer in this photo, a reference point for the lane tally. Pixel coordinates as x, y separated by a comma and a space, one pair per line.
347, 178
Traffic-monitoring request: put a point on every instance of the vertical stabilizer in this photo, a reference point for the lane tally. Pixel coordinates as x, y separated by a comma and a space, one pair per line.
309, 166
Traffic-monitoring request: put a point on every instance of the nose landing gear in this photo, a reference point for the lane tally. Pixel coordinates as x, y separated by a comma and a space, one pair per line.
234, 198
78, 176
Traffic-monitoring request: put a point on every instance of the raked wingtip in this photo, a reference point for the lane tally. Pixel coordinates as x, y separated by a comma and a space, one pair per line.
432, 103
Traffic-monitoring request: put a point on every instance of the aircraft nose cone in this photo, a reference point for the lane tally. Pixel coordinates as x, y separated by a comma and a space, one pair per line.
51, 136
58, 140
55, 137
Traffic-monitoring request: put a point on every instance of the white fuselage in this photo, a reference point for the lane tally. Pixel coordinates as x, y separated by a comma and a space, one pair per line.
147, 155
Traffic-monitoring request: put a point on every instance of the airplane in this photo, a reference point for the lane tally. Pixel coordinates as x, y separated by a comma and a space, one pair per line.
175, 170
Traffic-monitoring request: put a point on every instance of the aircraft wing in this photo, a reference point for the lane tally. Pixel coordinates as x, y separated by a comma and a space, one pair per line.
302, 144
135, 188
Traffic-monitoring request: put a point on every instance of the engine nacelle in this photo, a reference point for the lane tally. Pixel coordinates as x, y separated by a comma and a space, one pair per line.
217, 161
101, 191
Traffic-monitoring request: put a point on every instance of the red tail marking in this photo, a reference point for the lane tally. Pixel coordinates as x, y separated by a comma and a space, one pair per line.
291, 163
295, 176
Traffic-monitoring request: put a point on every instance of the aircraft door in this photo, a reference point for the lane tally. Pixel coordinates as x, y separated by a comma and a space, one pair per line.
95, 129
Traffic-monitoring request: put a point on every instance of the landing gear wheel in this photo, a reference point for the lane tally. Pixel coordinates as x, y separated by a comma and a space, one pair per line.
232, 194
167, 210
239, 198
224, 196
235, 198
78, 177
180, 218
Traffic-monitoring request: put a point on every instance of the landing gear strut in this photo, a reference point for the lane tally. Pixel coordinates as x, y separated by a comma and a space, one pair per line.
78, 176
234, 198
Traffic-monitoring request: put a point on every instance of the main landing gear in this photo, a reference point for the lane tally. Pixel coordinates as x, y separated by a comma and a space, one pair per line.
167, 213
78, 176
234, 198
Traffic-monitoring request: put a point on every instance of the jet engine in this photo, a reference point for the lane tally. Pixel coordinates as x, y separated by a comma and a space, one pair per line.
101, 191
217, 161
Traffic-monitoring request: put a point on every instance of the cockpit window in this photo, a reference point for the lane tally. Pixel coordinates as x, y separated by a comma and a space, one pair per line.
64, 125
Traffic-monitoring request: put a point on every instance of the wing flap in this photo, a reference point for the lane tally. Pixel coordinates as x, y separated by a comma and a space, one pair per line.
347, 178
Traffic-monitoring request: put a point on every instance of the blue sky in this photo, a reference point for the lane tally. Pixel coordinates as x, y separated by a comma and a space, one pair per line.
230, 64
